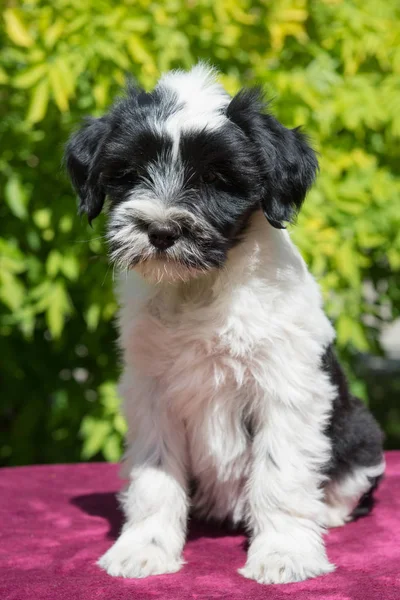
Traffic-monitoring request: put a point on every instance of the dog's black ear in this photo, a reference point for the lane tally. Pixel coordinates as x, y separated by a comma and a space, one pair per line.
287, 163
81, 156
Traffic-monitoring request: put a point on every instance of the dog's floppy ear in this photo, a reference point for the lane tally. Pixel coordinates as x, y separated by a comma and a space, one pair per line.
286, 161
81, 156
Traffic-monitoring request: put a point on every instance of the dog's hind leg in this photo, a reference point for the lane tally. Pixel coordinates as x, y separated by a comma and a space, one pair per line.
357, 464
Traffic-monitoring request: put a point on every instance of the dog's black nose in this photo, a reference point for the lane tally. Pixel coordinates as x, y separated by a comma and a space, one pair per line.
163, 236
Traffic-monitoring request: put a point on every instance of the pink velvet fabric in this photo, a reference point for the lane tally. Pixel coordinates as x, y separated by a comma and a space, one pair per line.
55, 521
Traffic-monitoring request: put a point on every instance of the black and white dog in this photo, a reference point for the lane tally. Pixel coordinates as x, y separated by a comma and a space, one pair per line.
231, 387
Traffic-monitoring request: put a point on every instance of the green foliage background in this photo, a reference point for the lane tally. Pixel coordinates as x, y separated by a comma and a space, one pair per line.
330, 65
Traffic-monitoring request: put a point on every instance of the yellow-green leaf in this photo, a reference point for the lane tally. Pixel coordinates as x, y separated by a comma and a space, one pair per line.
92, 316
38, 106
3, 76
343, 328
28, 78
59, 307
95, 433
112, 448
66, 75
58, 88
12, 291
346, 261
53, 263
394, 258
42, 217
16, 28
16, 197
70, 266
53, 33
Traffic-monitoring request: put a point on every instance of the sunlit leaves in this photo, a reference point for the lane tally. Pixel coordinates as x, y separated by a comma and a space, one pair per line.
51, 297
105, 430
332, 67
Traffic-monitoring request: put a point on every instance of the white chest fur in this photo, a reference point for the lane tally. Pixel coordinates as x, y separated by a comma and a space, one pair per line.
220, 351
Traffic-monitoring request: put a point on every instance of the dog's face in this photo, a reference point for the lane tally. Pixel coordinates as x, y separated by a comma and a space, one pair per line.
184, 167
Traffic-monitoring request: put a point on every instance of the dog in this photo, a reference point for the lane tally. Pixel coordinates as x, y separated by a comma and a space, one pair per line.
237, 407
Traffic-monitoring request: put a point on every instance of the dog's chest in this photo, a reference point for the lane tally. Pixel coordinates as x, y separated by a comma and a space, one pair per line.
196, 352
207, 383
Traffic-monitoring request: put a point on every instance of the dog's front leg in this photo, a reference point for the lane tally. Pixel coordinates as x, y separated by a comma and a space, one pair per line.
285, 508
155, 502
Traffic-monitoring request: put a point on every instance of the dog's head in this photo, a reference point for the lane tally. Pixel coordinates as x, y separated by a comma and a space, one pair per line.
184, 167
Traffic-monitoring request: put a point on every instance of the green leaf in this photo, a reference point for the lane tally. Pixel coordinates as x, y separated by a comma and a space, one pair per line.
112, 448
350, 331
70, 266
95, 433
3, 76
92, 316
38, 106
344, 327
16, 28
347, 262
16, 197
393, 256
59, 306
66, 76
120, 424
53, 263
42, 218
12, 291
58, 88
30, 77
54, 33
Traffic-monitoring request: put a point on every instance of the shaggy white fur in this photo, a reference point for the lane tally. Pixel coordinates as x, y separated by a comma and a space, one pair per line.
200, 97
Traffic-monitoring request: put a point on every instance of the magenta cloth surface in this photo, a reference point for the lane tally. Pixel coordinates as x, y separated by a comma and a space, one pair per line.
55, 521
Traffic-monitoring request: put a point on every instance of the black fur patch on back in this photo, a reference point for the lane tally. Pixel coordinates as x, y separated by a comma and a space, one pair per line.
355, 435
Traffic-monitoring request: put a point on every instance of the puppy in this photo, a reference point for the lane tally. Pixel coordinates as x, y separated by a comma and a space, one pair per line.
236, 405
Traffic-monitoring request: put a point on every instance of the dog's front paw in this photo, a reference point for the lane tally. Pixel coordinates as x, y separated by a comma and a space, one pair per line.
127, 559
283, 568
266, 565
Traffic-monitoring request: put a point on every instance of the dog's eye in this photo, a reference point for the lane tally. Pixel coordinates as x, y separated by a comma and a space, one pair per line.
126, 176
122, 177
209, 177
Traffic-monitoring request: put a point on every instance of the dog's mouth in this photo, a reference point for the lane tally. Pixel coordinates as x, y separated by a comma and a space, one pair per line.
177, 263
159, 268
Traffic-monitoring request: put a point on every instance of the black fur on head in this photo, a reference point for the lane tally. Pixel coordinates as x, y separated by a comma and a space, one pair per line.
81, 156
184, 168
287, 164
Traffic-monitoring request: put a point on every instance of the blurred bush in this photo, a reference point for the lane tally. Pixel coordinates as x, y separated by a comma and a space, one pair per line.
332, 66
